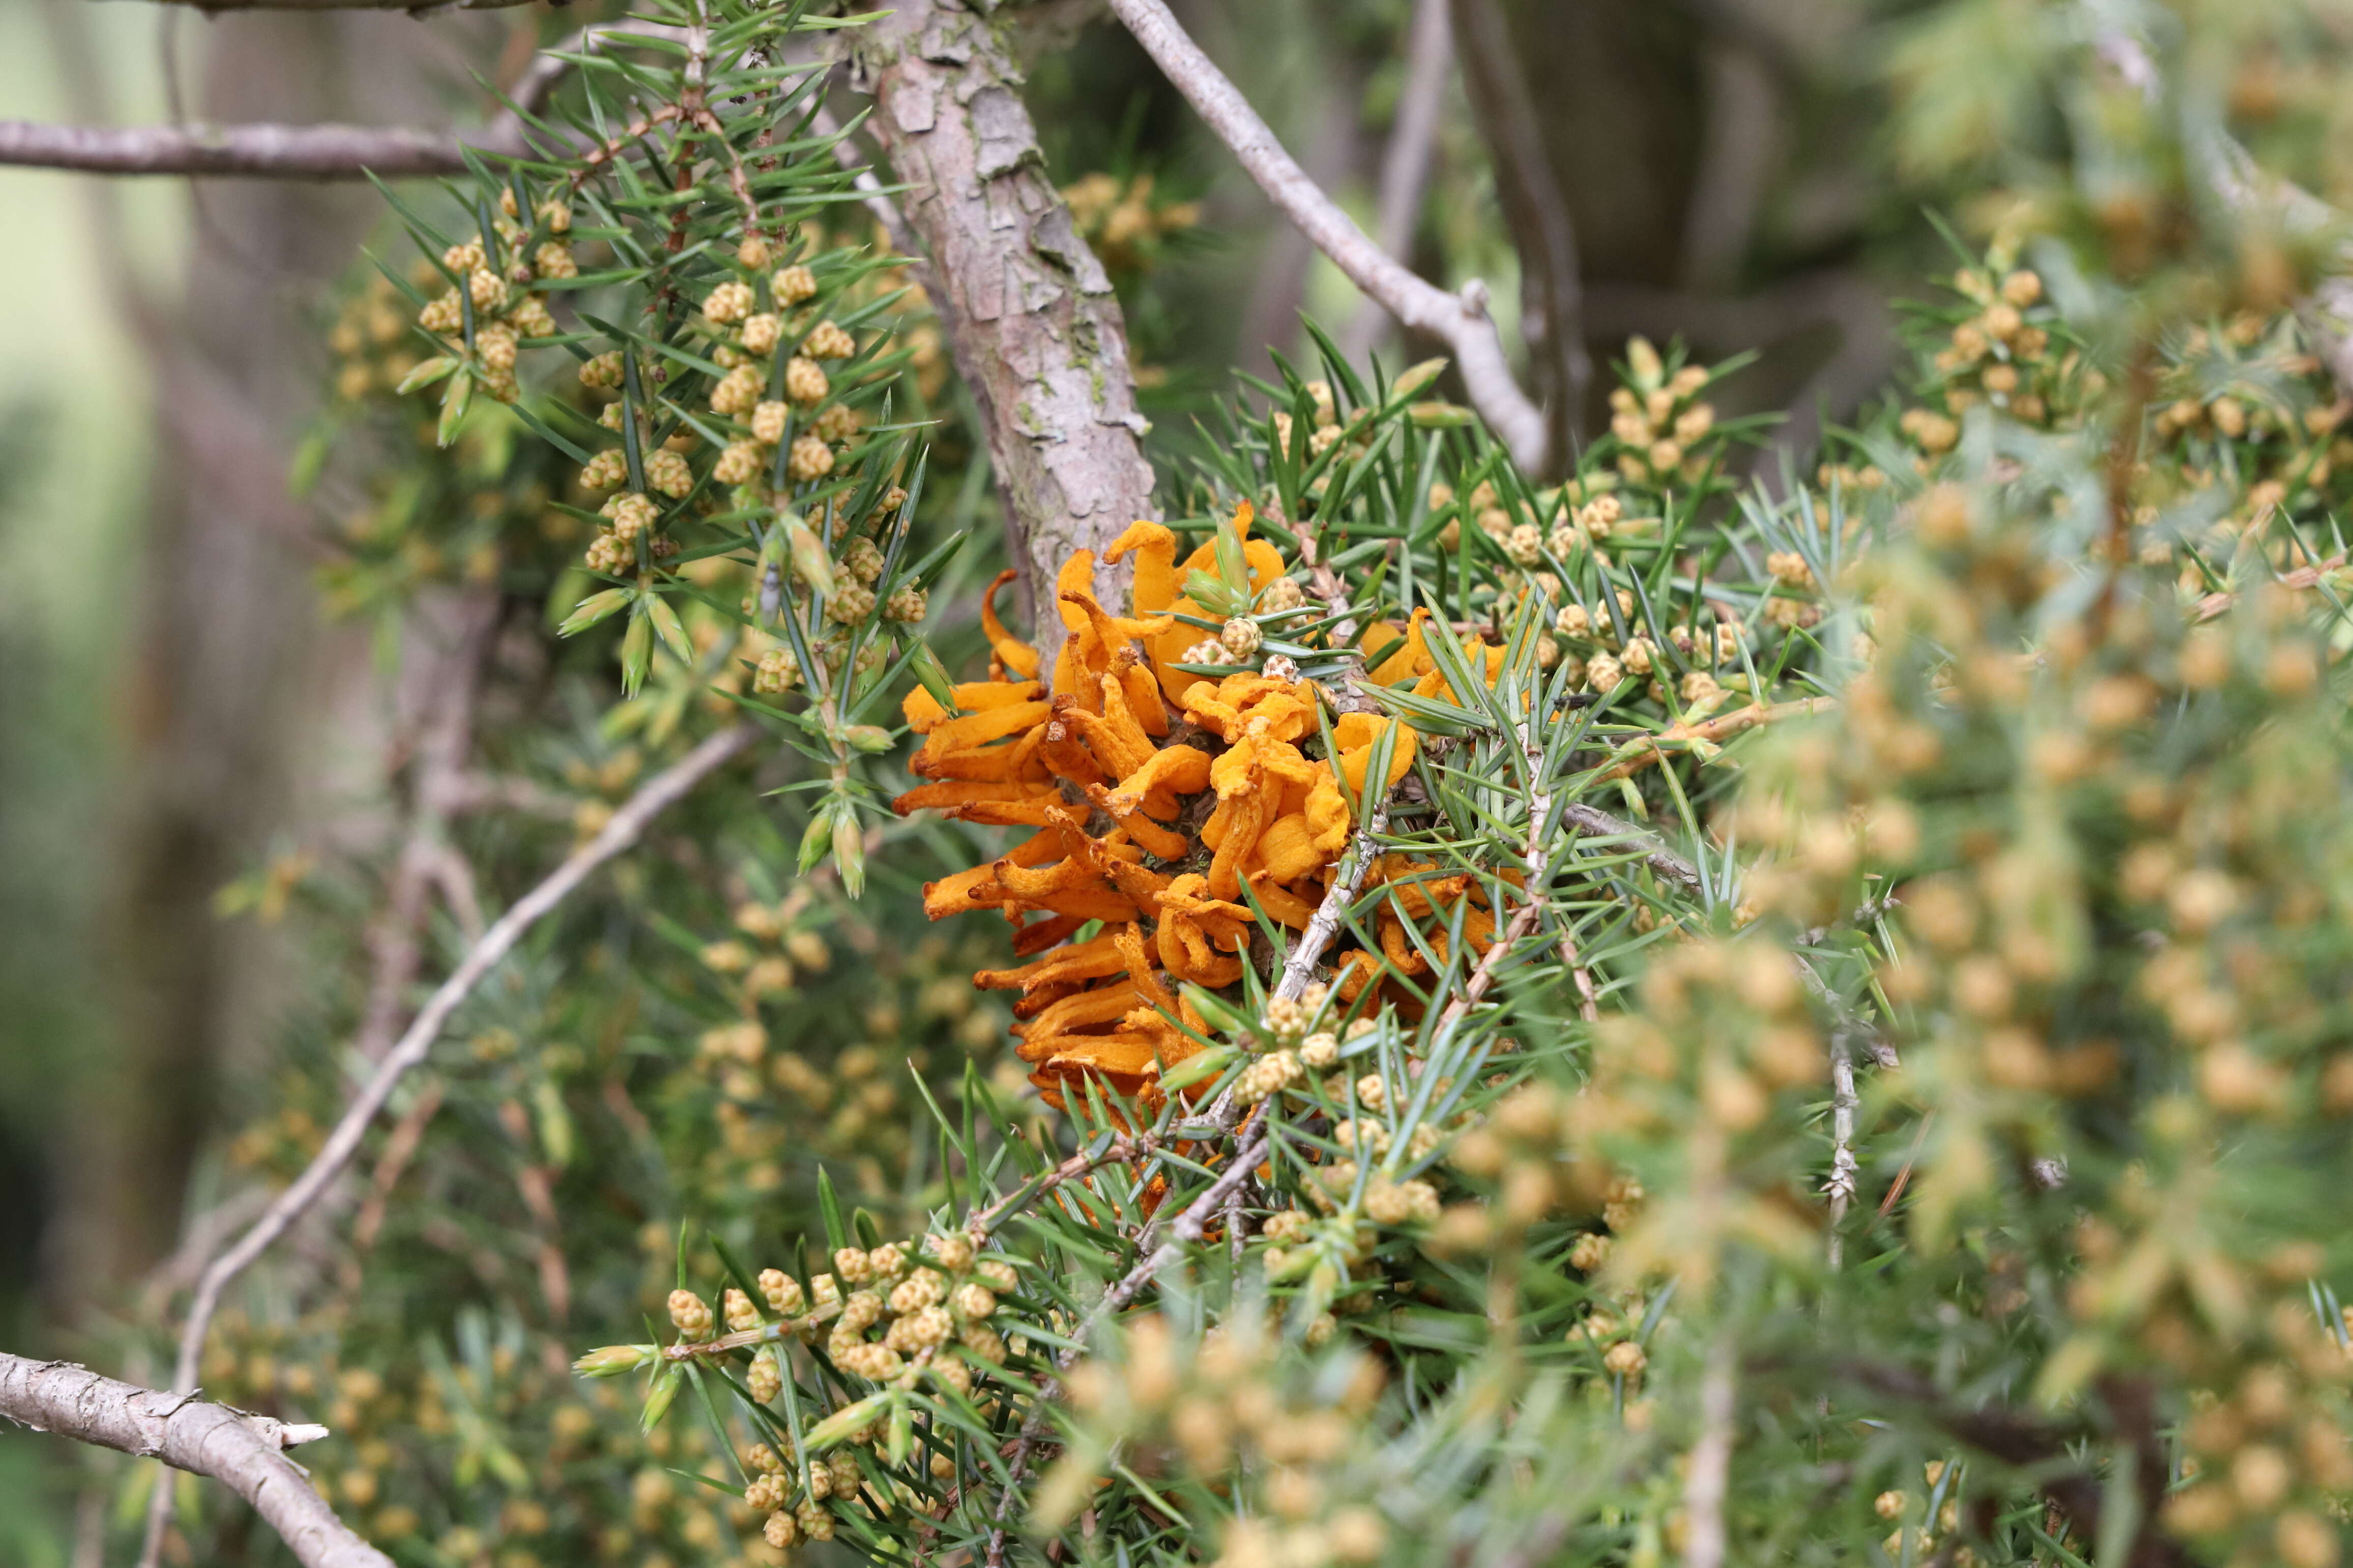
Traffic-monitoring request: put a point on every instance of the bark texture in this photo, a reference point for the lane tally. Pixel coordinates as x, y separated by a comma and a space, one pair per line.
242, 1452
1028, 310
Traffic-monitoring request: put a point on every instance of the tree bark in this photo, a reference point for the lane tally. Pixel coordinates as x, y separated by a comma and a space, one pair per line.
242, 1452
1026, 308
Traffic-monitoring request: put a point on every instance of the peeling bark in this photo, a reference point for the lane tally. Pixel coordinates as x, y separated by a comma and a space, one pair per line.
1028, 310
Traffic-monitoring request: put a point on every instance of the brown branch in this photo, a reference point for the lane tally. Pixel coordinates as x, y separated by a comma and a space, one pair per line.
1552, 313
1028, 310
244, 1453
312, 152
623, 830
1461, 320
1405, 162
1189, 1226
1119, 1150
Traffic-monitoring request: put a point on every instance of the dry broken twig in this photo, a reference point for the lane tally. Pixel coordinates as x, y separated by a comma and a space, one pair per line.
244, 1453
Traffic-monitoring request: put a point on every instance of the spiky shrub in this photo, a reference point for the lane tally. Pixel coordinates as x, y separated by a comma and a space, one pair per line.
1795, 1029
1828, 1047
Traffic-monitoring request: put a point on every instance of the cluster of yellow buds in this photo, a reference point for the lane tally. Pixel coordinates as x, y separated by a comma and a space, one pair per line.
1661, 426
748, 341
1222, 1400
772, 1491
1608, 649
774, 944
905, 1315
629, 518
369, 340
1996, 356
494, 279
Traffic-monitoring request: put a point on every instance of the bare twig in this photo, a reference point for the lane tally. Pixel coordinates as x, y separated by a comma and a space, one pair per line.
623, 830
1841, 1187
312, 152
414, 7
1023, 1447
1118, 1152
1706, 1480
263, 152
1844, 1020
1552, 310
1190, 1225
1405, 162
1461, 320
1599, 823
244, 1453
1541, 857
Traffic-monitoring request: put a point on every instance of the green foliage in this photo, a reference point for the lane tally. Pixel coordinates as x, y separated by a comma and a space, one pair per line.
1832, 1050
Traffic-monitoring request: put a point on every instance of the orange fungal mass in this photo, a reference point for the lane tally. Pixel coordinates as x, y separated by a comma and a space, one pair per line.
1164, 805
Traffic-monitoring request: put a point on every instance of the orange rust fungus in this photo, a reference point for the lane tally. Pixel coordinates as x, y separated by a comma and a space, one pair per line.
1165, 805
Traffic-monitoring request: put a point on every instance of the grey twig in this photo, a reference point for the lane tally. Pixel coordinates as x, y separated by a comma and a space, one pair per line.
244, 1453
263, 152
311, 151
1325, 923
414, 7
1841, 1186
1599, 824
1187, 1231
1461, 320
